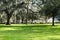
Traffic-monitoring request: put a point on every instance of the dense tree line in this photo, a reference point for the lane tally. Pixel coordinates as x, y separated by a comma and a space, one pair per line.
28, 10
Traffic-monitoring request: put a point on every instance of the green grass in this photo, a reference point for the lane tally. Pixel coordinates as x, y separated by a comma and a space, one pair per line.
29, 32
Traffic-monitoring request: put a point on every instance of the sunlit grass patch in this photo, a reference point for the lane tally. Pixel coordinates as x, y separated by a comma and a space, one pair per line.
5, 29
54, 37
1, 38
40, 38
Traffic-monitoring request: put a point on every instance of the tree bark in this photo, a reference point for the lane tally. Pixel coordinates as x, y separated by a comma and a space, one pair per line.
32, 18
32, 21
8, 20
26, 20
46, 18
22, 20
53, 20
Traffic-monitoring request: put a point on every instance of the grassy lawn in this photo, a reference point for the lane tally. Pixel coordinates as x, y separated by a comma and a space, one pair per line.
29, 32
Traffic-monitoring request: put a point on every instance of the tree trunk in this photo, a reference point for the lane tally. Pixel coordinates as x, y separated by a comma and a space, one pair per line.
32, 21
53, 20
22, 21
26, 20
8, 20
46, 18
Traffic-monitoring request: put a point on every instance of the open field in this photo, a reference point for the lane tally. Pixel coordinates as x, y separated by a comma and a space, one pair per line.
29, 32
